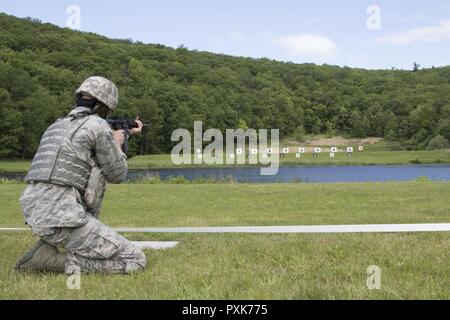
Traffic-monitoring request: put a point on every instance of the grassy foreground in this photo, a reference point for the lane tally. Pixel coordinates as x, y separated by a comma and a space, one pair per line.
370, 157
205, 266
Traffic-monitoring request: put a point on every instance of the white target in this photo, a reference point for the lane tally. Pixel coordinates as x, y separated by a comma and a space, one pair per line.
238, 151
334, 150
350, 150
286, 150
317, 150
301, 150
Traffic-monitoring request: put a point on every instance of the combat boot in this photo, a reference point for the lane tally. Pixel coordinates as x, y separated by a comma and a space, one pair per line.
42, 257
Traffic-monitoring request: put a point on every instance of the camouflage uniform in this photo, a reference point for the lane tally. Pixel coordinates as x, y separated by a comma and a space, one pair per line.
62, 205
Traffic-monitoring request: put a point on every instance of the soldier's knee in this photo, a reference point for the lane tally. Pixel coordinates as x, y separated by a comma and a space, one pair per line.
138, 263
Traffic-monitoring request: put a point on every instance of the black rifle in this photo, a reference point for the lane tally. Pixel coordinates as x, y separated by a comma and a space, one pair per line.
123, 124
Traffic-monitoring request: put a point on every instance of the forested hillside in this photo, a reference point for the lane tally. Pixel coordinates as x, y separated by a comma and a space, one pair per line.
41, 65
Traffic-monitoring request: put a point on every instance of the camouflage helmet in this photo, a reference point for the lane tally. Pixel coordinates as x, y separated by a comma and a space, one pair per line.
101, 89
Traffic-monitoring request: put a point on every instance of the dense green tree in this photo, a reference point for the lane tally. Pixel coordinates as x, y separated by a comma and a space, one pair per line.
41, 65
10, 126
438, 142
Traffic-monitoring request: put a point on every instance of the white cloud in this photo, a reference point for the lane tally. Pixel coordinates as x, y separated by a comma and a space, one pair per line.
266, 35
438, 33
311, 20
306, 44
284, 13
401, 20
236, 36
217, 40
418, 17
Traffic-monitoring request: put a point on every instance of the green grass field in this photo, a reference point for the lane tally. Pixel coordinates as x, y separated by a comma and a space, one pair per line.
372, 156
414, 265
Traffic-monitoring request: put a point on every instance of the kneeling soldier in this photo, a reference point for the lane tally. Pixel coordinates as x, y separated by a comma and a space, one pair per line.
66, 184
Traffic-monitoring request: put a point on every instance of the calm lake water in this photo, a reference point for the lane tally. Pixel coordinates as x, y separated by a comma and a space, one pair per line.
297, 174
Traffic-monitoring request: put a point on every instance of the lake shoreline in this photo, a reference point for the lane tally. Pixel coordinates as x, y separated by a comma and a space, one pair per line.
20, 166
286, 174
249, 166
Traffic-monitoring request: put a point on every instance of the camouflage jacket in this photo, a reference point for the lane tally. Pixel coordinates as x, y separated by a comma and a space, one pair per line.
52, 205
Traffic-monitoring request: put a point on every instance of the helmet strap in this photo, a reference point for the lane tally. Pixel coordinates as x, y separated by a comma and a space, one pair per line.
101, 110
94, 105
87, 103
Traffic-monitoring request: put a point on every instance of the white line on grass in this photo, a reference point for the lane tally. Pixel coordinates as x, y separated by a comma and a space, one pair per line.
362, 228
157, 245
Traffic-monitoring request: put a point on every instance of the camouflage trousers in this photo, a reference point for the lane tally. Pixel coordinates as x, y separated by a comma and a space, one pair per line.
95, 248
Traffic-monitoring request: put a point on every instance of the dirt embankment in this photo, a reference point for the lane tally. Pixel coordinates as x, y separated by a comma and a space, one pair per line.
339, 141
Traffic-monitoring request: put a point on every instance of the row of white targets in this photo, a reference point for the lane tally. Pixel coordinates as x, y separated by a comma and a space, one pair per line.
317, 151
285, 151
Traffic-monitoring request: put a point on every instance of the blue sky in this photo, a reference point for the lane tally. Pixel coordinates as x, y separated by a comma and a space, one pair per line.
333, 32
